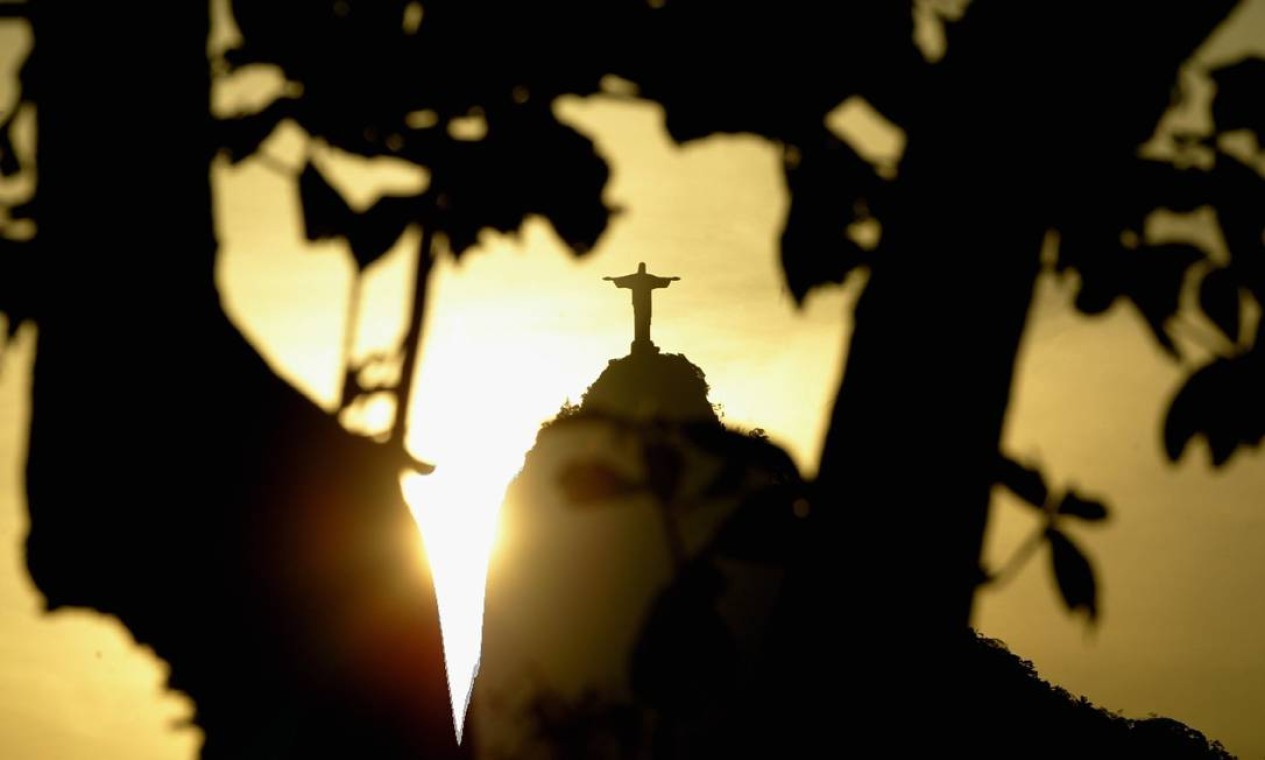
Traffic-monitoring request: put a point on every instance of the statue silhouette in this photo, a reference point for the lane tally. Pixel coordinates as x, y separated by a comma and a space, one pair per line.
641, 283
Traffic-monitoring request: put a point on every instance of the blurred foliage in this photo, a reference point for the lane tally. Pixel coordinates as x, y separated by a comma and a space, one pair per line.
19, 301
402, 79
685, 655
1073, 573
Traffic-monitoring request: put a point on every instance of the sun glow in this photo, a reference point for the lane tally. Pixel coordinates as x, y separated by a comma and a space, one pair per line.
500, 354
519, 325
489, 377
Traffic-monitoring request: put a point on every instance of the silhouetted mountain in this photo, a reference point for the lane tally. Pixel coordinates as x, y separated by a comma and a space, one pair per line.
634, 605
651, 385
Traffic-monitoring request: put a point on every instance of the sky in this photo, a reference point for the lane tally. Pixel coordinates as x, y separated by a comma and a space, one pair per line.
518, 326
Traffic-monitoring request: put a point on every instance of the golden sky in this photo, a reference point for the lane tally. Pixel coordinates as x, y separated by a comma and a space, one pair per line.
518, 326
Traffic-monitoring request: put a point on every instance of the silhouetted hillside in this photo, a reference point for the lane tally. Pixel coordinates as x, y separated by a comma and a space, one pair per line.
633, 607
648, 385
1022, 715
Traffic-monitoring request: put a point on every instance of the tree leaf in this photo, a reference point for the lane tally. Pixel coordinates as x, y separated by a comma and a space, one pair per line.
1074, 575
352, 388
1221, 444
704, 73
9, 164
1220, 401
1238, 103
570, 178
826, 180
593, 482
1093, 249
240, 136
1155, 184
28, 209
1220, 300
1154, 282
1025, 482
375, 231
1191, 408
326, 214
1239, 197
528, 163
1075, 505
18, 285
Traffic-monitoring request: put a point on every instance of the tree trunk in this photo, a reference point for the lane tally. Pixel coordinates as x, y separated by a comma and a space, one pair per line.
906, 471
1014, 127
173, 480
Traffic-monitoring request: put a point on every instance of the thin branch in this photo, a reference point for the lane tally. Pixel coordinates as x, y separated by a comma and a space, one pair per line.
413, 339
352, 323
1019, 558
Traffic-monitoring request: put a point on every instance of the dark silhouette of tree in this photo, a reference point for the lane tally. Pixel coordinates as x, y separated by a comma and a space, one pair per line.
242, 527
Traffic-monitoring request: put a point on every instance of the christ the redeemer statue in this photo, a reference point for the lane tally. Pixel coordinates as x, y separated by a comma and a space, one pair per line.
641, 283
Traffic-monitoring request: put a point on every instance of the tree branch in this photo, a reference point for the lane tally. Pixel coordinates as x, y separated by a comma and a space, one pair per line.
412, 340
